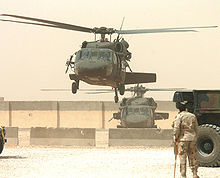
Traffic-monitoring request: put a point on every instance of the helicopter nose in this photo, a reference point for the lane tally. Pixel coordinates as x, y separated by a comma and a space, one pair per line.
93, 68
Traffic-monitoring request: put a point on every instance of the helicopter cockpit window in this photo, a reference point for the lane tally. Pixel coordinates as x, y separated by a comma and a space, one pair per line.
78, 55
84, 54
130, 110
136, 110
141, 111
94, 54
133, 111
145, 111
104, 55
114, 58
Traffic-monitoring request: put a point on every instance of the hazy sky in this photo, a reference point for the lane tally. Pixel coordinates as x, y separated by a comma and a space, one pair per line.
33, 57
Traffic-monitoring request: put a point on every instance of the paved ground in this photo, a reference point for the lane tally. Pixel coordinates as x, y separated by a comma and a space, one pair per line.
91, 162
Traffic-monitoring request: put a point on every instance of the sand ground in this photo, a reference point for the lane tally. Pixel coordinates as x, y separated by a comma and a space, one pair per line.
25, 161
51, 162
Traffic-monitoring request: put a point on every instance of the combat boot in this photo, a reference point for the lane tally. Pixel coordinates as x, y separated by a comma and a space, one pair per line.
183, 174
183, 170
195, 173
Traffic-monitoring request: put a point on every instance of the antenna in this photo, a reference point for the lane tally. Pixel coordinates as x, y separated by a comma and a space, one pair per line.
120, 28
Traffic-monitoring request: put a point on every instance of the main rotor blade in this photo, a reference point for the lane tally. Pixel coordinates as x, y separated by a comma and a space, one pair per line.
101, 90
89, 90
165, 89
98, 92
48, 23
55, 89
29, 23
162, 30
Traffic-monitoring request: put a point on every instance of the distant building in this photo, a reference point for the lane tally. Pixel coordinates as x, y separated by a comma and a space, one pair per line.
1, 98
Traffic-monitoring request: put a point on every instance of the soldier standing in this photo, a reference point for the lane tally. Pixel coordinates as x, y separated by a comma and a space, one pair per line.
185, 128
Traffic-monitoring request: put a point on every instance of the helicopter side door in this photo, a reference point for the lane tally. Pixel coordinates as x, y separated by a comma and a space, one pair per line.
118, 69
115, 66
123, 72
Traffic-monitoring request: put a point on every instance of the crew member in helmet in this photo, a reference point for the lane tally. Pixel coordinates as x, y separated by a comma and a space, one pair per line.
185, 128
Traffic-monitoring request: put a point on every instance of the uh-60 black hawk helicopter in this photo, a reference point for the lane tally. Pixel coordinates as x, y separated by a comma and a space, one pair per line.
139, 111
103, 62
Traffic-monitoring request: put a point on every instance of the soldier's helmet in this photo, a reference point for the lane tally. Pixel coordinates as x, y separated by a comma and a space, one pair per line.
181, 105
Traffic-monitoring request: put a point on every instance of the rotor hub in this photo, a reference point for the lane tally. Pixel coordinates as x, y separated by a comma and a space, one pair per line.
103, 30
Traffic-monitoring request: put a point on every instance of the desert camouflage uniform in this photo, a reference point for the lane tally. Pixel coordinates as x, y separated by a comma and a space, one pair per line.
185, 134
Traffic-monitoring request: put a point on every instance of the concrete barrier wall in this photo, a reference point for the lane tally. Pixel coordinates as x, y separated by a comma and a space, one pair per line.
4, 113
25, 114
77, 119
140, 137
80, 114
89, 137
87, 114
12, 135
30, 118
62, 136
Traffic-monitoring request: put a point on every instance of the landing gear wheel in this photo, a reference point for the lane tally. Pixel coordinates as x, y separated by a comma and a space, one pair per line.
116, 95
208, 146
74, 88
116, 99
121, 89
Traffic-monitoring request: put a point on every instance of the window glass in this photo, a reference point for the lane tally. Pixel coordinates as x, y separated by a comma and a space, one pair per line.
104, 55
114, 58
209, 100
136, 110
94, 54
85, 54
133, 110
78, 54
141, 111
130, 110
146, 111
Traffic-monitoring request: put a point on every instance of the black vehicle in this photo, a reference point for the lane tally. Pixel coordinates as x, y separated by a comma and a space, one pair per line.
205, 104
2, 138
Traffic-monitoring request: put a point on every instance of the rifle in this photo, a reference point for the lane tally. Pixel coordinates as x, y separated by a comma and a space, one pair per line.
176, 153
176, 147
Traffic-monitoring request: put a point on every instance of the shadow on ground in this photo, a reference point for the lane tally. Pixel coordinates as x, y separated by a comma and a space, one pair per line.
12, 157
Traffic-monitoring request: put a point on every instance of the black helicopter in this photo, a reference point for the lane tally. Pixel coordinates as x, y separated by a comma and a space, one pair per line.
103, 62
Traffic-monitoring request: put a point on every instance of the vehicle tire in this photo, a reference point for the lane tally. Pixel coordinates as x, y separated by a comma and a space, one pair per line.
122, 89
74, 88
208, 146
1, 145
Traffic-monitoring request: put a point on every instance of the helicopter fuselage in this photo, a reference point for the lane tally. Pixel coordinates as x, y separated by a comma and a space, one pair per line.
138, 111
137, 116
104, 63
99, 66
